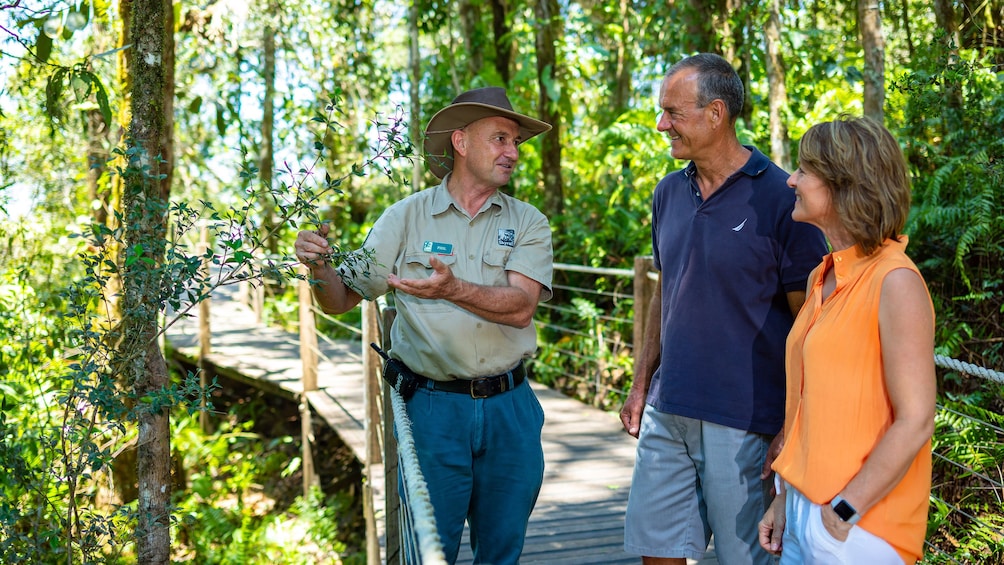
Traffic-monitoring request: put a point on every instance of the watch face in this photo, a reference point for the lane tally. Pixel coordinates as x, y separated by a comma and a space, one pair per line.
844, 510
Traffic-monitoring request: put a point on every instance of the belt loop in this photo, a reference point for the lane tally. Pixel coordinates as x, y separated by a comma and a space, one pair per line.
510, 378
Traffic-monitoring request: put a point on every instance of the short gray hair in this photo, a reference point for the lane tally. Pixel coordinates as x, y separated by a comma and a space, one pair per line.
716, 80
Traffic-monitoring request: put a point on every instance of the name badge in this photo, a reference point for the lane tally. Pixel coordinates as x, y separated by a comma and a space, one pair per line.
437, 248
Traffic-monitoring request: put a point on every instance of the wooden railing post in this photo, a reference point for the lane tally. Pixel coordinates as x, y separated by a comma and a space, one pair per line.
258, 300
308, 332
643, 291
371, 400
205, 345
371, 392
308, 357
392, 500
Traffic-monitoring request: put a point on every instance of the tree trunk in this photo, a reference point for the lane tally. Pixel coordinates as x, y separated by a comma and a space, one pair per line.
624, 63
112, 290
739, 53
549, 33
167, 128
469, 16
505, 47
944, 13
266, 152
873, 44
697, 19
952, 111
777, 96
905, 7
145, 208
97, 163
415, 115
98, 138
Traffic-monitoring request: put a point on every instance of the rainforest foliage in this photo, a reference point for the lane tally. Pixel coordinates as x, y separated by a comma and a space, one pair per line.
127, 127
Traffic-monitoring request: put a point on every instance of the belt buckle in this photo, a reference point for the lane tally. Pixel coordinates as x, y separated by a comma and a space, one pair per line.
476, 393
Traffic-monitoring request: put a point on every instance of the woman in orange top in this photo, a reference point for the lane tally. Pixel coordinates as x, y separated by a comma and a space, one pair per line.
855, 470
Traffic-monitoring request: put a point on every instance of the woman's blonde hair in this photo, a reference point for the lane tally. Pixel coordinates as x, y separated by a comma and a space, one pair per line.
863, 166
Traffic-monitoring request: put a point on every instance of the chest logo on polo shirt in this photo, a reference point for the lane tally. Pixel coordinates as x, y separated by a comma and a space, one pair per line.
740, 226
507, 237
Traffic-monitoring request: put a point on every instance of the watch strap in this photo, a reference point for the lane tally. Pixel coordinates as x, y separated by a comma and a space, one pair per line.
844, 510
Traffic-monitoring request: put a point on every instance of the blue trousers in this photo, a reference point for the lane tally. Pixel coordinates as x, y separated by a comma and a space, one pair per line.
483, 464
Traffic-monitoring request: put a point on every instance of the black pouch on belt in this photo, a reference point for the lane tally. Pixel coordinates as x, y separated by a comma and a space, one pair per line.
398, 375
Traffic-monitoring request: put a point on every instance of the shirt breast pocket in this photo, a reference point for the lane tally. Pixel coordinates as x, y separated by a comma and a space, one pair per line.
494, 267
419, 265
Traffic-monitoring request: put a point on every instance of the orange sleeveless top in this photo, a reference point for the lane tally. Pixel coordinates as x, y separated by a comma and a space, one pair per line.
837, 407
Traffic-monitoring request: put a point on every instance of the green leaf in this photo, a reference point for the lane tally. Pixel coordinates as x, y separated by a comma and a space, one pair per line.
81, 86
43, 46
134, 254
243, 256
101, 95
221, 120
53, 92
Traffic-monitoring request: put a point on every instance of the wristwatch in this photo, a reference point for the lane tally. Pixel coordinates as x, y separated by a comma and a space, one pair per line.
844, 510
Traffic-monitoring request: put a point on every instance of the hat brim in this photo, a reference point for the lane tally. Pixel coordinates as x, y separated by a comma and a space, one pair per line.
439, 149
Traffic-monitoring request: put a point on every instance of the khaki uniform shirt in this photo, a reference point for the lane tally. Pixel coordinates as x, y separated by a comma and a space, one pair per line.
437, 338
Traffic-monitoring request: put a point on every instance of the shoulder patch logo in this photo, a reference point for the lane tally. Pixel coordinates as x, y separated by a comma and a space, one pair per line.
507, 237
740, 226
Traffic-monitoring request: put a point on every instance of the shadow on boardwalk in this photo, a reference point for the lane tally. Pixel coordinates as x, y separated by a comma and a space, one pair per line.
579, 517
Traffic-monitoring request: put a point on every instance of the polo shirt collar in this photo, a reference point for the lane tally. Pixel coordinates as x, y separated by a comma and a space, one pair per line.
442, 199
849, 263
755, 165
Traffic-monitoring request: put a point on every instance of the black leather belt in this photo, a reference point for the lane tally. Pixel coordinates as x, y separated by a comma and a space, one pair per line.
482, 387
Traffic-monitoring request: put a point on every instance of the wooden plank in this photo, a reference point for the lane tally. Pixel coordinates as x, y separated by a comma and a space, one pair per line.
579, 518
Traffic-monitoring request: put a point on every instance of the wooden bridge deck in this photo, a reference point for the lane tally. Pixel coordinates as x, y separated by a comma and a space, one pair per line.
579, 517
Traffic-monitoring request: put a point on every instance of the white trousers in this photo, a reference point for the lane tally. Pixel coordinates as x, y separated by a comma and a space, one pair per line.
806, 540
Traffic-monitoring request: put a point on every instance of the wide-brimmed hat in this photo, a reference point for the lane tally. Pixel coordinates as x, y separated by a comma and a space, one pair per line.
467, 108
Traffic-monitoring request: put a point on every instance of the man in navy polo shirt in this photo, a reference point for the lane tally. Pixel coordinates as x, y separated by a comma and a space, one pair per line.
709, 396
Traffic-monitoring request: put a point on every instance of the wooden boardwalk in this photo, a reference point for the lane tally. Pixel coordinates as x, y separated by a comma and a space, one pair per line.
579, 517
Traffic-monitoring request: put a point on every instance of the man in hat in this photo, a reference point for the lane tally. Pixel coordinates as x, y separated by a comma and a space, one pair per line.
468, 265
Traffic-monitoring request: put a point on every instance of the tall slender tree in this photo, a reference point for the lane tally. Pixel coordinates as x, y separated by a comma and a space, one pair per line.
415, 101
145, 207
873, 44
470, 24
548, 14
734, 22
266, 152
505, 47
698, 16
777, 96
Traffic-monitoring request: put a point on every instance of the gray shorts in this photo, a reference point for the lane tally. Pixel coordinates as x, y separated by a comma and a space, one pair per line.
691, 479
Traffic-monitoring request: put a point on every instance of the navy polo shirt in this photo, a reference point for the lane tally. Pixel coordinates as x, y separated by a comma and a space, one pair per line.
727, 263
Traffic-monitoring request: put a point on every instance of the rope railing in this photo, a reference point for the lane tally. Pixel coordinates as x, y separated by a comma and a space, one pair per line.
415, 538
335, 321
968, 368
980, 476
418, 533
